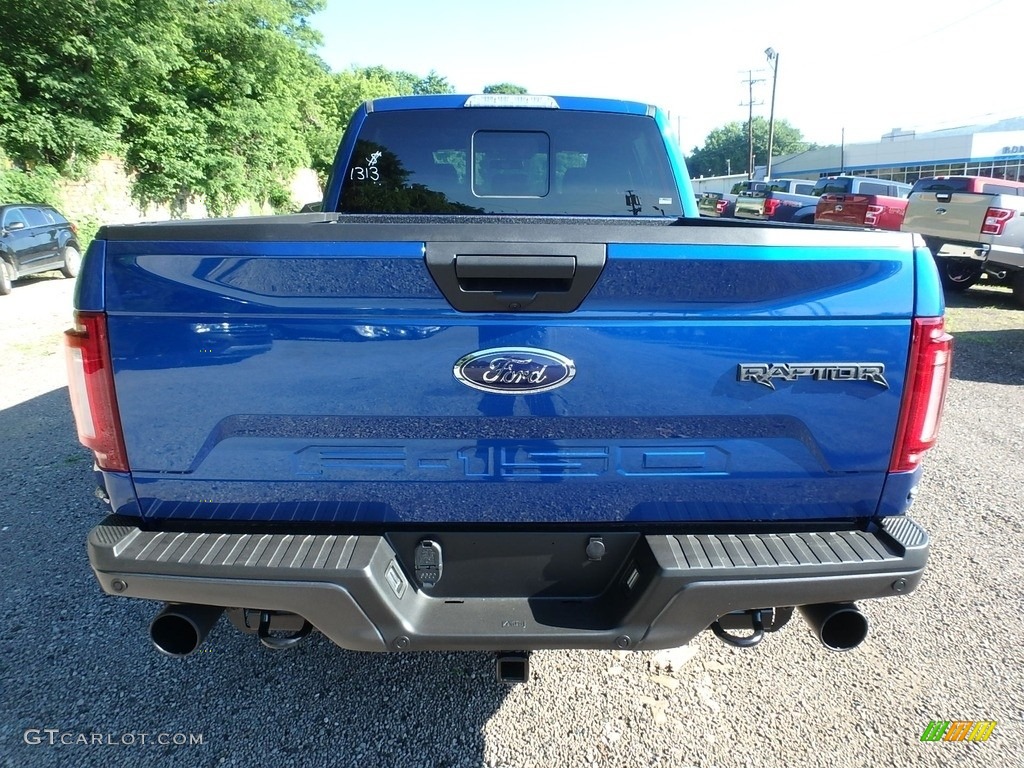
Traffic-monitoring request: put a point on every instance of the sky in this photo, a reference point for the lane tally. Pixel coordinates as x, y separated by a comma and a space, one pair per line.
846, 69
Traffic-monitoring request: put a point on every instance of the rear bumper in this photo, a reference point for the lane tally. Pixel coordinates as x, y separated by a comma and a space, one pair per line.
996, 255
354, 589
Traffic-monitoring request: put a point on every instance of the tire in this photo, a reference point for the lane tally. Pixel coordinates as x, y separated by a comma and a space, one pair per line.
72, 261
958, 275
6, 284
1018, 286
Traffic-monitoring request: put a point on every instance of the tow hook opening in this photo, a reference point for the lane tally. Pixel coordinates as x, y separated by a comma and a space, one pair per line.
512, 667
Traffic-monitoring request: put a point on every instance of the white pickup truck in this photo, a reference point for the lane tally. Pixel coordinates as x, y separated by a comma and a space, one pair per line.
973, 225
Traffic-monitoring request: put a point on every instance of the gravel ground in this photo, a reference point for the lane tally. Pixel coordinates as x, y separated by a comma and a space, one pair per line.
80, 662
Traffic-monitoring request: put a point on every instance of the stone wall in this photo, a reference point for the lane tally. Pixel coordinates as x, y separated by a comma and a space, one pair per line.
104, 197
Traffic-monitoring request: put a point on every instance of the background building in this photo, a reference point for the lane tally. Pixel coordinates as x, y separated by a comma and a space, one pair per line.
995, 150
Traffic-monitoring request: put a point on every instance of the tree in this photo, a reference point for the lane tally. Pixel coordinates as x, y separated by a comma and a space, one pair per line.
343, 92
69, 72
725, 149
504, 88
218, 99
228, 121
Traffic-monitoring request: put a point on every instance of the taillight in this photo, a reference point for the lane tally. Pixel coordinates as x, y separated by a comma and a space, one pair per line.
720, 206
872, 215
91, 385
771, 205
931, 357
995, 221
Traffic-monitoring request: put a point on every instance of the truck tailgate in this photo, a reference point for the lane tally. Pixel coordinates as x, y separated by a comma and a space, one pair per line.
307, 372
956, 215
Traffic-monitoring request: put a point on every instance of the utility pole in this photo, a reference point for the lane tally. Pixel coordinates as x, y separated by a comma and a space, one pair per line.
750, 122
773, 59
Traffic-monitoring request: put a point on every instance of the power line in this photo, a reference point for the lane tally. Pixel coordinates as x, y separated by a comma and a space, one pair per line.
957, 21
750, 81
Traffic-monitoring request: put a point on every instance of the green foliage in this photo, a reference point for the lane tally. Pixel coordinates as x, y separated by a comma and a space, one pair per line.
228, 122
87, 228
36, 186
504, 88
725, 149
339, 94
215, 99
69, 71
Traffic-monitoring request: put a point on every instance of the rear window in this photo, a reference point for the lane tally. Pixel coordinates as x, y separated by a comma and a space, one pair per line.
860, 186
53, 217
750, 187
831, 187
951, 184
973, 184
871, 188
509, 161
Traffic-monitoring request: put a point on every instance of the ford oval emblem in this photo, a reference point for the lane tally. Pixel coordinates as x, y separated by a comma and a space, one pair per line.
514, 370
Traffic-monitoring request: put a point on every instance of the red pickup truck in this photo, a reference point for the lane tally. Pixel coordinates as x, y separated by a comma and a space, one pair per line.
861, 201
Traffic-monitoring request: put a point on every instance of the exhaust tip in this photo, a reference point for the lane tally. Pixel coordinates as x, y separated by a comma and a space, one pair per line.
838, 626
179, 630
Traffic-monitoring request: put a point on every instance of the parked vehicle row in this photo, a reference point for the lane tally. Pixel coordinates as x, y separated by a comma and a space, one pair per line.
33, 239
844, 200
716, 204
973, 225
782, 200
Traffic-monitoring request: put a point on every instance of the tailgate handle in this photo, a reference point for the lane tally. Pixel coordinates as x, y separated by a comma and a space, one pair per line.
504, 277
516, 274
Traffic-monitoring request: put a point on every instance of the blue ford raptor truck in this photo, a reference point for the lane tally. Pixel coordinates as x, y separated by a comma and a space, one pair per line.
506, 391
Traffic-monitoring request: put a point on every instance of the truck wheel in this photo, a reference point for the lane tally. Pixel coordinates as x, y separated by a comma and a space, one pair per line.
957, 275
72, 261
6, 284
1018, 286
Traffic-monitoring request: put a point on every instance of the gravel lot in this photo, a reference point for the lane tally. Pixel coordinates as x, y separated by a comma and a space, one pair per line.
81, 663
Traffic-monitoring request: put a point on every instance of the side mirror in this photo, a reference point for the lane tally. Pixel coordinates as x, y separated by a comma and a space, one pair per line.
14, 226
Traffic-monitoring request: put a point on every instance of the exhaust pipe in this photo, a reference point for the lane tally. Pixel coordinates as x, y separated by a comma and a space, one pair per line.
180, 628
839, 626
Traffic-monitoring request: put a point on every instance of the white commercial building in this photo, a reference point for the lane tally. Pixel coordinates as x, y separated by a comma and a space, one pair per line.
996, 150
